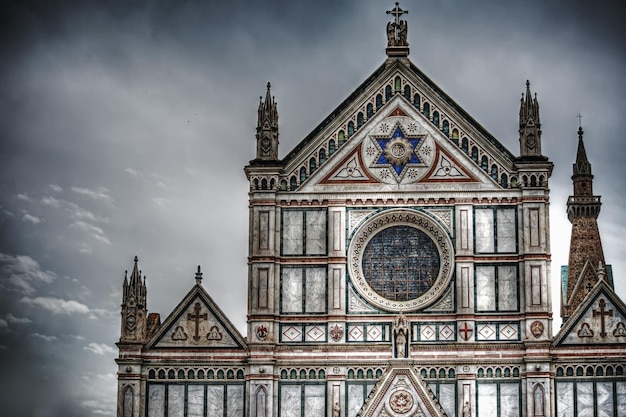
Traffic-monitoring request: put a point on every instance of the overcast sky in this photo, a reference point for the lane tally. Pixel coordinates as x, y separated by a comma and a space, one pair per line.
125, 127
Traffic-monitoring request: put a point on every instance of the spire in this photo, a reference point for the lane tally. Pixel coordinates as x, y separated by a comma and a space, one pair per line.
267, 128
397, 45
586, 256
134, 306
529, 126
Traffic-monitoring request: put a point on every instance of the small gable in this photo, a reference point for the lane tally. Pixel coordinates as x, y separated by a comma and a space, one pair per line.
599, 319
401, 391
199, 323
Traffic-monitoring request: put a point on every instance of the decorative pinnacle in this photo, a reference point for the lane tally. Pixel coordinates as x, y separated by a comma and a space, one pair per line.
136, 259
199, 276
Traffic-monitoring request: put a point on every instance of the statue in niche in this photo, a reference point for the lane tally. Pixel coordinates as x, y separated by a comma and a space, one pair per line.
401, 333
336, 410
467, 409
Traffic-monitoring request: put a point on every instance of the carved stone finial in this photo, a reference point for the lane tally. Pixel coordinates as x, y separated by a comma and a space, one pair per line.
199, 276
136, 259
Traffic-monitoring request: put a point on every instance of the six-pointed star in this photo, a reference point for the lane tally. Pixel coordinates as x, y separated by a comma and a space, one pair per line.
397, 151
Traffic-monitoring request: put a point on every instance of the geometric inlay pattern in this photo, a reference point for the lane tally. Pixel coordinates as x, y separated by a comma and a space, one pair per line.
292, 333
314, 333
487, 332
355, 333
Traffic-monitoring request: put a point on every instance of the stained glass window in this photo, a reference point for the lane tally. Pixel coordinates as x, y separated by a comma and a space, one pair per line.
401, 263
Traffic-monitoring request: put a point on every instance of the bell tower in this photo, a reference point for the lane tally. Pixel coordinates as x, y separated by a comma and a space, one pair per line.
267, 128
586, 257
529, 126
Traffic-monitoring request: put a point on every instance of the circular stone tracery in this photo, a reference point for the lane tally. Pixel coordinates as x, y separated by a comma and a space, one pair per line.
400, 260
401, 263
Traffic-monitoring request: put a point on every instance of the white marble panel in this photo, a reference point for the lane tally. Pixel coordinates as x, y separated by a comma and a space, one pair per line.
604, 392
464, 230
336, 287
487, 400
234, 401
484, 230
314, 400
584, 399
263, 287
264, 230
505, 224
293, 227
565, 399
509, 400
465, 287
315, 290
214, 400
447, 399
315, 232
621, 398
292, 290
485, 288
290, 401
156, 400
337, 230
507, 287
533, 215
355, 399
195, 400
176, 401
535, 285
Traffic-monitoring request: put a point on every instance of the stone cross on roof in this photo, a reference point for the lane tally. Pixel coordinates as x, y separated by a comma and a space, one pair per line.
397, 12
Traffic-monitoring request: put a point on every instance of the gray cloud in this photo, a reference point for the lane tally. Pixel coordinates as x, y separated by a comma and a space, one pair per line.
126, 127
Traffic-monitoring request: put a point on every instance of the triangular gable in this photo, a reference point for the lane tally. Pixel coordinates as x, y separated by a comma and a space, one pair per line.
417, 97
399, 147
197, 322
401, 391
599, 319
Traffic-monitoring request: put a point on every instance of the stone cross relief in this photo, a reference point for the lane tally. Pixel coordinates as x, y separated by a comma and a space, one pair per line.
197, 317
602, 313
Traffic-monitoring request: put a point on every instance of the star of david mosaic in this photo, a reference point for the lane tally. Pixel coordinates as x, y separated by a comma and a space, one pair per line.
397, 151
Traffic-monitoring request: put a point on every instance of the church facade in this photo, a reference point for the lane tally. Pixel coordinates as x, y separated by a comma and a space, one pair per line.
399, 265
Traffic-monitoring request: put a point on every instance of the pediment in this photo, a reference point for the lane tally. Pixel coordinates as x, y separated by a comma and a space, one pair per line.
401, 391
398, 132
399, 149
197, 322
599, 319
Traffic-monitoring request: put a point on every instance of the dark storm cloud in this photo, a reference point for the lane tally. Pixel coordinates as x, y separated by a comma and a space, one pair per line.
124, 128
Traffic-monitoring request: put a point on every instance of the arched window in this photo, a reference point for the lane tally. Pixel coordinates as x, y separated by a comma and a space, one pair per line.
484, 163
464, 144
331, 147
129, 402
283, 185
455, 136
475, 154
255, 184
170, 374
293, 183
220, 374
191, 374
446, 128
200, 374
494, 172
416, 101
426, 111
369, 110
302, 175
513, 182
397, 84
341, 138
407, 92
533, 181
181, 374
312, 165
322, 156
350, 131
436, 118
504, 181
272, 184
359, 120
379, 101
264, 184
151, 374
387, 93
